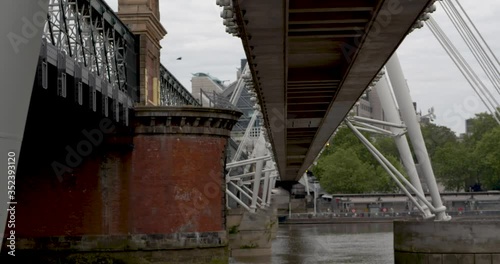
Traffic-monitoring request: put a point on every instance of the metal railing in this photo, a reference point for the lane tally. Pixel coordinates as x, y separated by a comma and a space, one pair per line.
215, 100
172, 92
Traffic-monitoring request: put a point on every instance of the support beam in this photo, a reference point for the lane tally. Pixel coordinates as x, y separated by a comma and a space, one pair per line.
402, 94
266, 185
392, 114
392, 171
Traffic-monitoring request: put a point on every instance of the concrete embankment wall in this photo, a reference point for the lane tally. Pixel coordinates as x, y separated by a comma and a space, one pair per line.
251, 234
466, 241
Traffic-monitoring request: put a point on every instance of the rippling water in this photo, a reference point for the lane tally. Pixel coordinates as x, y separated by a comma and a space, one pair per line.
367, 243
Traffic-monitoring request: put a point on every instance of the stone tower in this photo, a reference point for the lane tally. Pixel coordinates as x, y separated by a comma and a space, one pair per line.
143, 19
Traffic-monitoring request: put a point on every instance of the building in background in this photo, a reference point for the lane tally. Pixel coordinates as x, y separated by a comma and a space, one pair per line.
369, 106
204, 83
205, 88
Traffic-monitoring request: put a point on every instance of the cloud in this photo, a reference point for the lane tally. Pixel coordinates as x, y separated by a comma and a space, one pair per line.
196, 33
434, 79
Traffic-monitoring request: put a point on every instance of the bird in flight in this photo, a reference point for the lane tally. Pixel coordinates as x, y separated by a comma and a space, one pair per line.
180, 58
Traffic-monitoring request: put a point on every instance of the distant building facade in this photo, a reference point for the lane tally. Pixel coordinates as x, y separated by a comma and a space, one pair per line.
369, 106
206, 83
203, 84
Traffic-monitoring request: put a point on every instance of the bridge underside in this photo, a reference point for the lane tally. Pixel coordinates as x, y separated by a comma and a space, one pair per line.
312, 60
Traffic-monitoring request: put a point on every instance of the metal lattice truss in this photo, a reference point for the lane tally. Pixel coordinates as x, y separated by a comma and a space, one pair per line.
172, 93
216, 100
252, 190
89, 32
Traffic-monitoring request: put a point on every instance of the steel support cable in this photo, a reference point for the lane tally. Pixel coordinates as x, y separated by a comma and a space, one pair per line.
479, 33
471, 41
487, 64
494, 67
457, 63
455, 59
469, 69
468, 73
473, 44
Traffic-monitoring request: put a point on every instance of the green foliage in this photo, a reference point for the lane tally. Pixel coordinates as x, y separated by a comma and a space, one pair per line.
481, 124
346, 166
435, 136
474, 161
384, 183
249, 246
234, 229
386, 145
487, 152
344, 172
453, 166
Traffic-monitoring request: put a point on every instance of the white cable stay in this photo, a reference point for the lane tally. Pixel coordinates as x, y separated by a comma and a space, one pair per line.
474, 45
472, 78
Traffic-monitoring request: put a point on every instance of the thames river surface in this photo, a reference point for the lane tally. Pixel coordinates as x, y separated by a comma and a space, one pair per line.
368, 243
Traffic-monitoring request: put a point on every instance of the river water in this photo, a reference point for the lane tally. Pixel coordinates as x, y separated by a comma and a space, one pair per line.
367, 243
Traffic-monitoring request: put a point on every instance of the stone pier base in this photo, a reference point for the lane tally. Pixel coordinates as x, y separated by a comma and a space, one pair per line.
152, 192
179, 248
251, 234
454, 242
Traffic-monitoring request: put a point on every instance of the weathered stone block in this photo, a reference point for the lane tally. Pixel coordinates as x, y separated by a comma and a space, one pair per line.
479, 236
254, 234
410, 258
495, 258
435, 259
458, 258
482, 259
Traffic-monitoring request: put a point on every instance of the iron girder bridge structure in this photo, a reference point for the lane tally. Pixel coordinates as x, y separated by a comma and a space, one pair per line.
94, 57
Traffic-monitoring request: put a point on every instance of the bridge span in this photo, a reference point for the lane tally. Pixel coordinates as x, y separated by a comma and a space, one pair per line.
312, 60
120, 164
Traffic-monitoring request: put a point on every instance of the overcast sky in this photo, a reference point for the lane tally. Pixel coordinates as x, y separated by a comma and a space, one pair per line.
196, 33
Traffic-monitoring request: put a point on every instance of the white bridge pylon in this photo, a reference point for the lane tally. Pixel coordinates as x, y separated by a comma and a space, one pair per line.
392, 82
252, 188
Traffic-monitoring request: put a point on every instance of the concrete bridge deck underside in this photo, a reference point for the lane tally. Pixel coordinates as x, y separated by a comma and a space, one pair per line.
312, 60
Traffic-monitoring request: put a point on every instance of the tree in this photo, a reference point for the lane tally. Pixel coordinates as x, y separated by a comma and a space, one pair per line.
481, 124
435, 136
454, 166
343, 172
385, 183
346, 166
386, 145
487, 152
345, 138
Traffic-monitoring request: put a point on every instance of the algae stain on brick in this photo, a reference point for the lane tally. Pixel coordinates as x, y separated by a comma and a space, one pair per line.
234, 229
248, 246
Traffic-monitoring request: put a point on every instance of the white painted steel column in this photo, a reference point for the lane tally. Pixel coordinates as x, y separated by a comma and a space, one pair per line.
260, 151
266, 185
315, 184
238, 200
391, 170
306, 183
271, 187
391, 113
403, 97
